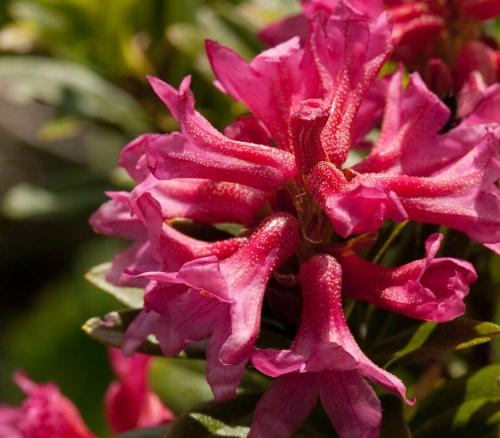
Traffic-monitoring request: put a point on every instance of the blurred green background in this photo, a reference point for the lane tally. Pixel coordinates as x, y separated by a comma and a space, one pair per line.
72, 93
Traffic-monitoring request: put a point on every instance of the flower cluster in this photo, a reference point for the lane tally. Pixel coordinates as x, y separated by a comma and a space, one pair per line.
281, 174
46, 413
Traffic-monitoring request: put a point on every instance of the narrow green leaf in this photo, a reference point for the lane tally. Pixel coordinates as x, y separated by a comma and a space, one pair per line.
130, 296
219, 428
111, 328
230, 419
429, 340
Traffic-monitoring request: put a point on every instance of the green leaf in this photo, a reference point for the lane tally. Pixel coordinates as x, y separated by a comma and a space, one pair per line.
180, 383
219, 428
150, 432
130, 296
230, 419
469, 405
429, 340
61, 83
110, 331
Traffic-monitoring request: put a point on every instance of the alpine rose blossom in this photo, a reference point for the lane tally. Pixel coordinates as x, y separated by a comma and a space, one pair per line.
299, 203
45, 413
129, 402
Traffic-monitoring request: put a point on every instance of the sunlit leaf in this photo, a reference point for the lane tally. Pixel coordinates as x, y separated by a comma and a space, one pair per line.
230, 419
110, 330
130, 296
429, 340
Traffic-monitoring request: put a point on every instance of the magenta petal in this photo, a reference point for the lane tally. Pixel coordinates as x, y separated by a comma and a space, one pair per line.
203, 152
432, 289
114, 218
285, 406
274, 363
222, 378
175, 156
129, 403
364, 46
353, 206
321, 281
409, 130
247, 273
351, 404
248, 129
138, 331
133, 157
137, 258
487, 110
266, 85
203, 200
172, 248
44, 413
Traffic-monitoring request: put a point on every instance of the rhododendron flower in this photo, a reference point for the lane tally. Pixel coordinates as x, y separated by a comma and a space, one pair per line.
129, 402
333, 66
284, 172
45, 413
432, 289
324, 362
220, 300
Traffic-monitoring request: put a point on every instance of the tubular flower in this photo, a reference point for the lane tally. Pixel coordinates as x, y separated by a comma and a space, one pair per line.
129, 402
432, 289
284, 174
220, 300
44, 413
323, 362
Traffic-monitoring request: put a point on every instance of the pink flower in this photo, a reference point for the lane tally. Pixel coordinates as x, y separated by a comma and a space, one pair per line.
462, 195
336, 67
221, 300
324, 362
432, 289
45, 413
202, 152
129, 402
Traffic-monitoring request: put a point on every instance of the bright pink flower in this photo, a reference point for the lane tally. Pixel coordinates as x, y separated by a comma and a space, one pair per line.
324, 362
156, 244
432, 289
203, 152
462, 195
221, 300
129, 402
45, 413
339, 62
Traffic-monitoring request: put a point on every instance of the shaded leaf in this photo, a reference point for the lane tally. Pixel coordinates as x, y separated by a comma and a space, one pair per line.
180, 383
110, 330
150, 432
429, 340
229, 418
130, 296
469, 405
